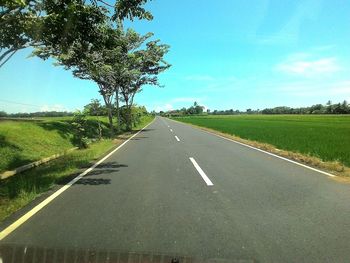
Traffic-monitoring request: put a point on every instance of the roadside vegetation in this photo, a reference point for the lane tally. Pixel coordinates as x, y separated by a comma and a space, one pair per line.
324, 137
23, 142
17, 191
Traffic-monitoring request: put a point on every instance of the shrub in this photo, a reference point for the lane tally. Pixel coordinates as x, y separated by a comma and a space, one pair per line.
79, 126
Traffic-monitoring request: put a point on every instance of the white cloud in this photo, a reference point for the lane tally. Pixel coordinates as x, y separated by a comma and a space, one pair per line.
165, 107
297, 65
55, 107
339, 89
176, 103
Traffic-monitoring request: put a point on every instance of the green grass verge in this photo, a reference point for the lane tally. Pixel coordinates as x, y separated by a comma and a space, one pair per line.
22, 142
144, 121
323, 136
18, 190
25, 142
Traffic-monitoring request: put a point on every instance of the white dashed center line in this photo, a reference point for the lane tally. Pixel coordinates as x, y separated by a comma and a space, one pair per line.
200, 171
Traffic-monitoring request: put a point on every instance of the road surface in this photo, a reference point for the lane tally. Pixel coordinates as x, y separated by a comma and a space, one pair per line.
179, 190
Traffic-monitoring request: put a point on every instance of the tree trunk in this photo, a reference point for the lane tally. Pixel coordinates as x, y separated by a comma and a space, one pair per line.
99, 130
110, 119
129, 104
118, 112
9, 53
107, 99
127, 114
130, 110
128, 117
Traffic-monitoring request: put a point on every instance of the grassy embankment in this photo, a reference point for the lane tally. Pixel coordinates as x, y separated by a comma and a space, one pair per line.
23, 142
321, 141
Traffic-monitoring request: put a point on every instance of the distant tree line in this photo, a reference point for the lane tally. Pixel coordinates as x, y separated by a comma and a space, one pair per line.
225, 112
36, 114
195, 109
328, 108
94, 108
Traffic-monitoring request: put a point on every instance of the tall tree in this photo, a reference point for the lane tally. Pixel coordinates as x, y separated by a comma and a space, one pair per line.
94, 67
142, 67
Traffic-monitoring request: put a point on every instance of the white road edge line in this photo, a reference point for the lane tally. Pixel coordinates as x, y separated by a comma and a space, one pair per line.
200, 171
40, 206
271, 154
177, 138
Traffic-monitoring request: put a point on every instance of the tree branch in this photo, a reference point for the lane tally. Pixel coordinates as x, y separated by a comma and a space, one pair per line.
3, 56
105, 3
132, 99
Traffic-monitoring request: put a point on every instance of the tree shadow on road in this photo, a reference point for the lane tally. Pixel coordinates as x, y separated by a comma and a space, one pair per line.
147, 130
106, 168
92, 178
111, 165
93, 181
138, 138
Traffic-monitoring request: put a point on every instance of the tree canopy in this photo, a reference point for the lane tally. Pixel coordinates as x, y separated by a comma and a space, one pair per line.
55, 26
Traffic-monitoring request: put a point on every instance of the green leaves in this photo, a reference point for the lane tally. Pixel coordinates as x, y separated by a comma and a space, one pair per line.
69, 26
79, 136
53, 27
131, 9
12, 3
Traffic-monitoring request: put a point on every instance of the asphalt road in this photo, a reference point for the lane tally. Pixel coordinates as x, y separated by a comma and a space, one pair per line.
149, 196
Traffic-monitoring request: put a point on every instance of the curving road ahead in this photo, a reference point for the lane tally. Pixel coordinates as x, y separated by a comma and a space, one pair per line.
179, 190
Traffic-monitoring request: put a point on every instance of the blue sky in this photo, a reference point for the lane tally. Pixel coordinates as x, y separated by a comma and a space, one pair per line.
224, 54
